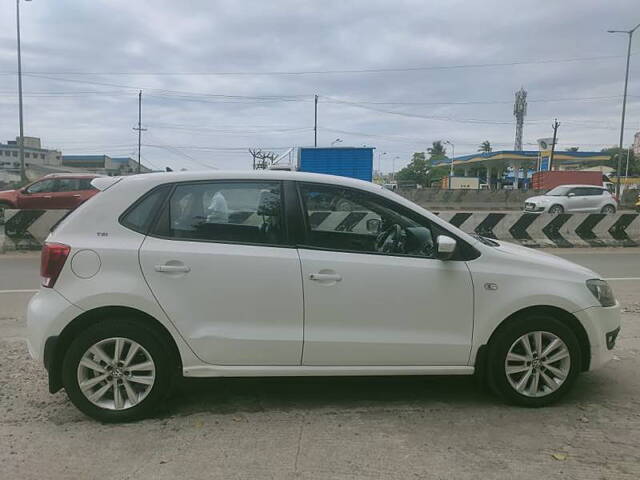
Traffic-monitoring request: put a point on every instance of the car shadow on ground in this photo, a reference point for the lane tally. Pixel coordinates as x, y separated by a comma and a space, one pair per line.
230, 395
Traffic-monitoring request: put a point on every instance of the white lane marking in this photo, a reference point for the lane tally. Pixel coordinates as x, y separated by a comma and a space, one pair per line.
621, 278
18, 291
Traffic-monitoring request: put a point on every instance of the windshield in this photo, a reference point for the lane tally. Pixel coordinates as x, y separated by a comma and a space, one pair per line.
558, 192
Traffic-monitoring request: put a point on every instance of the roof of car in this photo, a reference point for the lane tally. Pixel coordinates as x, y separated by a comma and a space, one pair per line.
171, 177
72, 175
580, 185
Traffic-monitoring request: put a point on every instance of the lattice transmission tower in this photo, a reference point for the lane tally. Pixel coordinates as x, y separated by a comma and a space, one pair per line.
520, 111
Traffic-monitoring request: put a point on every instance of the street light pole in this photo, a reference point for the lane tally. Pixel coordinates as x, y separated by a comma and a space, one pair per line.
624, 103
453, 154
23, 173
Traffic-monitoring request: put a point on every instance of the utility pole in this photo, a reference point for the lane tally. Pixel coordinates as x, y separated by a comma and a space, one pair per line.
315, 123
555, 126
139, 128
624, 103
23, 173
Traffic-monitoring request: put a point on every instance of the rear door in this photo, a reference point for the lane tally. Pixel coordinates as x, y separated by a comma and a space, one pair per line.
594, 199
67, 193
220, 265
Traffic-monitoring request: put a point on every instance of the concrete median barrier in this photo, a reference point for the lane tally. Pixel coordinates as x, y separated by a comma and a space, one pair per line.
27, 229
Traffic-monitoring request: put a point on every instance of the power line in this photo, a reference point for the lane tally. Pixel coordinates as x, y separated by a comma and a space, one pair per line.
331, 72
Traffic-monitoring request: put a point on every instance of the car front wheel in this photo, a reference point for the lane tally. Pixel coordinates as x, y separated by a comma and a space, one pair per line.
608, 209
117, 371
556, 209
533, 361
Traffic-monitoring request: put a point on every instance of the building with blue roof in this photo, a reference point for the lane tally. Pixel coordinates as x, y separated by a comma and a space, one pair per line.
518, 165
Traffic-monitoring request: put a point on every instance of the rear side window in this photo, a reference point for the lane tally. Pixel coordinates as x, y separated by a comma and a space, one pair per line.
594, 191
140, 215
85, 184
235, 212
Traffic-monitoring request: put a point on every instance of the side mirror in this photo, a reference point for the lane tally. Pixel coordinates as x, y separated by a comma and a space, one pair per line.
373, 225
445, 247
571, 194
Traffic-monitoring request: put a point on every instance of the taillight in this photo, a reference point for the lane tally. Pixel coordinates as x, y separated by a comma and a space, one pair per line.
51, 262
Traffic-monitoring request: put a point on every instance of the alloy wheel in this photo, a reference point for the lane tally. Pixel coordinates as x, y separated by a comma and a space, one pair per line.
537, 364
116, 373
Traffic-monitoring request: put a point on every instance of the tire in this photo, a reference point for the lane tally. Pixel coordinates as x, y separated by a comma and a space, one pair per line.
608, 210
147, 397
507, 340
556, 209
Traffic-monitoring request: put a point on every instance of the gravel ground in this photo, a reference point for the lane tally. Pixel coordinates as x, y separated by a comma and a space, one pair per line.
310, 428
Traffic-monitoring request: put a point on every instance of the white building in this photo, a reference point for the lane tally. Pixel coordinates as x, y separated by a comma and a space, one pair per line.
34, 154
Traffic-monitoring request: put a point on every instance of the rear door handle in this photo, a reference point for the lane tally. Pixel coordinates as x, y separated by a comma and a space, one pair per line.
77, 195
172, 268
325, 277
47, 196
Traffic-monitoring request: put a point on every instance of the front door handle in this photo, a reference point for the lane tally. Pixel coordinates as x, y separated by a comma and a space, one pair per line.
172, 268
77, 195
47, 196
325, 277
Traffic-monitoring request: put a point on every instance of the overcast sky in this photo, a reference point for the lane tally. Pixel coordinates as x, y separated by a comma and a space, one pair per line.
219, 77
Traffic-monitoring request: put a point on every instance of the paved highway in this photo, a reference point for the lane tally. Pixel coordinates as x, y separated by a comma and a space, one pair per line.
21, 271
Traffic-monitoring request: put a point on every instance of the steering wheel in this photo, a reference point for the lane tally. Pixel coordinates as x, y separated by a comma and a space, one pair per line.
389, 240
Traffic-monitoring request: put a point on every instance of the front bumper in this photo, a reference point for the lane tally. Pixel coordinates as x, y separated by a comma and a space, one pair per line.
533, 208
602, 325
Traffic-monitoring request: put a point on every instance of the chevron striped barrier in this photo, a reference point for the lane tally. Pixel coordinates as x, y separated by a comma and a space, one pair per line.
543, 230
27, 229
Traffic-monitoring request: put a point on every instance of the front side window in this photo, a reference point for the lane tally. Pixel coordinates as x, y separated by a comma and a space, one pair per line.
340, 218
243, 212
42, 187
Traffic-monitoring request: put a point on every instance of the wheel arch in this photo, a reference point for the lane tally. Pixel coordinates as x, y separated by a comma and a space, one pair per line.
558, 313
91, 317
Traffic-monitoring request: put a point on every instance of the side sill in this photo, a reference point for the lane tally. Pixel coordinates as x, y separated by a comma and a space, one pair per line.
303, 371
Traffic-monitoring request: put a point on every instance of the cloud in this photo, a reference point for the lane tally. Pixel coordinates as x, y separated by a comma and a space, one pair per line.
195, 119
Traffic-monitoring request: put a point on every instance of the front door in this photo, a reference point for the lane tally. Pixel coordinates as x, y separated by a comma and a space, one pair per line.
38, 195
219, 265
373, 293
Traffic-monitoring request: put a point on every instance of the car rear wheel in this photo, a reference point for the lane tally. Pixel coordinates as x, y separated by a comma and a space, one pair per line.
608, 209
556, 209
117, 371
533, 361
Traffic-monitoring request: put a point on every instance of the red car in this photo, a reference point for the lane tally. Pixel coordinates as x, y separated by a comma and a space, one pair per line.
56, 191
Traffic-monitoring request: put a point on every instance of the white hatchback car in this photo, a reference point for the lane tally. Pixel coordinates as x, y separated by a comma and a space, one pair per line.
264, 274
573, 199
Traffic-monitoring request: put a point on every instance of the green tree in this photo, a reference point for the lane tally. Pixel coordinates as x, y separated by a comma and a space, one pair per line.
634, 162
436, 151
416, 171
485, 147
573, 149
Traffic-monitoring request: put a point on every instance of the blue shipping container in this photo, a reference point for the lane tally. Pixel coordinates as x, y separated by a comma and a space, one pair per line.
351, 162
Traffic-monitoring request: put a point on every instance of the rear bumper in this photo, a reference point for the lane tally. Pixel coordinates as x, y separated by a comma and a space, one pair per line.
47, 314
602, 325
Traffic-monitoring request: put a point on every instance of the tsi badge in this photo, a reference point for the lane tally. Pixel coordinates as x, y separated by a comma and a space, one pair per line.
490, 286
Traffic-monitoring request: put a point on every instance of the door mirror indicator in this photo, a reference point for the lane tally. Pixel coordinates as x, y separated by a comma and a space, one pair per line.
571, 194
373, 225
445, 247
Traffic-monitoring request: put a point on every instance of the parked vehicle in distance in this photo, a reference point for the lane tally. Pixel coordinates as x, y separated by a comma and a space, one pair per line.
573, 199
51, 192
260, 274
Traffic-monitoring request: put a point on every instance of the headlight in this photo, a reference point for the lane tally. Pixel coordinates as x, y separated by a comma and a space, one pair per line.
602, 291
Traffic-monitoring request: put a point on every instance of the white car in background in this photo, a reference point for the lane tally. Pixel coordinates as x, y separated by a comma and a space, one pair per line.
147, 282
573, 199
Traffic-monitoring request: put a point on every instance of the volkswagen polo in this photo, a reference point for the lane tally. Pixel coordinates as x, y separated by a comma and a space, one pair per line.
264, 274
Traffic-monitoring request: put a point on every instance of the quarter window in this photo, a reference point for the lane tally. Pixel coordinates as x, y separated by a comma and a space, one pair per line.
242, 212
350, 220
